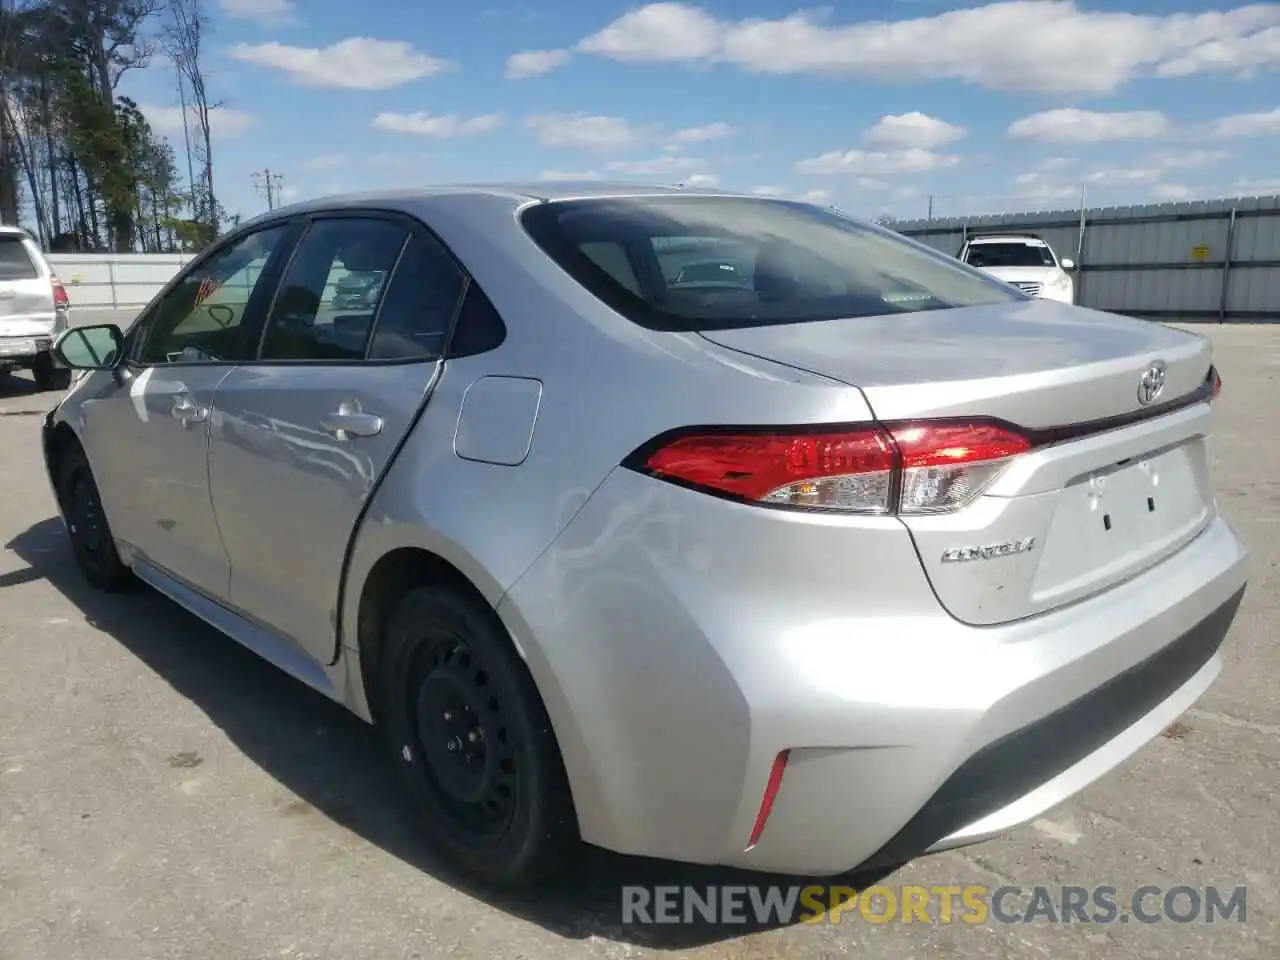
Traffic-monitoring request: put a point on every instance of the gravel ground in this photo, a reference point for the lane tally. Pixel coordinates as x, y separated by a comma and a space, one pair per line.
163, 793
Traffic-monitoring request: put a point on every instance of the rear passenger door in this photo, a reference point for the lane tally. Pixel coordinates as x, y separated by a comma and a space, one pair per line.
306, 429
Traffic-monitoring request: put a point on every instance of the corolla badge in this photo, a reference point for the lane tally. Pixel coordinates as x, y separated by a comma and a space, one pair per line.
988, 552
1151, 383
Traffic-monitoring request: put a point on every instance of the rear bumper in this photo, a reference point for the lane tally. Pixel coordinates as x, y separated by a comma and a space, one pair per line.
1020, 775
23, 351
681, 643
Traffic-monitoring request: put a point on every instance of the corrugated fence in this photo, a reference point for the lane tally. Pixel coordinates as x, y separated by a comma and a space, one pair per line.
1214, 260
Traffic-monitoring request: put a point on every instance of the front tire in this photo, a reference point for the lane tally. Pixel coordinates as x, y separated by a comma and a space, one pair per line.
472, 740
91, 539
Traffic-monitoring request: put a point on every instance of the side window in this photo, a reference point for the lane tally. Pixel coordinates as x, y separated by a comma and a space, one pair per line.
329, 296
201, 318
419, 304
480, 328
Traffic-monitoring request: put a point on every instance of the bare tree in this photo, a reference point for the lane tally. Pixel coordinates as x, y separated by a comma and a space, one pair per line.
183, 41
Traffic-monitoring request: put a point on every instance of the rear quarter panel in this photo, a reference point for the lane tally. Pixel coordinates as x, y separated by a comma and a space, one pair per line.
607, 387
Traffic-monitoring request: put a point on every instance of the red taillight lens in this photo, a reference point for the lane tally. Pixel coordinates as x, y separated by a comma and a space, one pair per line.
946, 466
1215, 380
60, 299
907, 468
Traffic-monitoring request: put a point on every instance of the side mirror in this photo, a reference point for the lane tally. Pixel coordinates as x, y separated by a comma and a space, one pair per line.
1067, 263
97, 347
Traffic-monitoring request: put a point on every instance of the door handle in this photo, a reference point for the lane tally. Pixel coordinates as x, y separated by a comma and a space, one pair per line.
188, 411
347, 423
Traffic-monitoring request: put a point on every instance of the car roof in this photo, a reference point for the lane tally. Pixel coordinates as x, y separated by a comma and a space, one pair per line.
519, 192
9, 230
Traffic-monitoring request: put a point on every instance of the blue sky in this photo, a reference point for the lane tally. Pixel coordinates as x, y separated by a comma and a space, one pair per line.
870, 106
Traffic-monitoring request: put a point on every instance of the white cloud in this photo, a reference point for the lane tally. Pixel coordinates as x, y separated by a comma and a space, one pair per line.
1170, 191
816, 196
266, 12
1239, 54
357, 63
326, 161
1120, 176
535, 63
441, 127
1264, 124
712, 131
1069, 125
865, 163
702, 180
668, 163
1257, 188
563, 175
582, 131
768, 190
1049, 46
658, 31
1188, 159
913, 130
289, 194
223, 121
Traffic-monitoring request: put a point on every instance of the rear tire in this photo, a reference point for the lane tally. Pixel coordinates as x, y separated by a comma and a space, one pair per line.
90, 534
47, 376
472, 741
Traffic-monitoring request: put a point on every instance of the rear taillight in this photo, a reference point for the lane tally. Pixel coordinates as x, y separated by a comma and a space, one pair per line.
60, 299
1215, 383
904, 468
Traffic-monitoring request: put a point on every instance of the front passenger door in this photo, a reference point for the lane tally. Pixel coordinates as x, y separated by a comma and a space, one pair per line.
305, 431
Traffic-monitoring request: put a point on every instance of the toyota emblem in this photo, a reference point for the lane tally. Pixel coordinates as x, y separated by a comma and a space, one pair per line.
1151, 384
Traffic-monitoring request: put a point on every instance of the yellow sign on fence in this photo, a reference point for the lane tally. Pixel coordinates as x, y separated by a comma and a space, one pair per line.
1200, 252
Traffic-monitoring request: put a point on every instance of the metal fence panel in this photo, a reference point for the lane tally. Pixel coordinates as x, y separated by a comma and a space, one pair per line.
1203, 260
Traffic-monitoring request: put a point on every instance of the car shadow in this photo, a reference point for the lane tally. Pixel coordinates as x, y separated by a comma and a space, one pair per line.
334, 764
17, 384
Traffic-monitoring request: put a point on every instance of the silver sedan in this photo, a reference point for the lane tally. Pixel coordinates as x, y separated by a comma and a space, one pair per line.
853, 555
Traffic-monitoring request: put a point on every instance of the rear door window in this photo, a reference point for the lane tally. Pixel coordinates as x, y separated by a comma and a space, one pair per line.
310, 318
15, 261
685, 263
419, 305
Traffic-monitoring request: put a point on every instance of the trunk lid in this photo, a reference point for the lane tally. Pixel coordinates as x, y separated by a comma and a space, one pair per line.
1123, 488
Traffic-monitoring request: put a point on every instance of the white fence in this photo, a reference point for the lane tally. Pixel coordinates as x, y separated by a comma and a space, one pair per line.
115, 281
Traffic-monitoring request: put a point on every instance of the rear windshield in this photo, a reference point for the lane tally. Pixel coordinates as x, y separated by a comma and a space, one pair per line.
686, 263
15, 262
1009, 255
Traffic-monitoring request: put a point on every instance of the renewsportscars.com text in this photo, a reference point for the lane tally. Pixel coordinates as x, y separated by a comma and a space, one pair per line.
944, 904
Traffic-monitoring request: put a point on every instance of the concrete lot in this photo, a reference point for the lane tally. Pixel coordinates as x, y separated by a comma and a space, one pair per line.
163, 793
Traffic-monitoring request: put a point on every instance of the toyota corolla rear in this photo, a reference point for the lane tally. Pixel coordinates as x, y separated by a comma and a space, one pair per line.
893, 557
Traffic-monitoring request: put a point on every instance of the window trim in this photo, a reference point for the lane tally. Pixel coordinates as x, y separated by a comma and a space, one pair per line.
141, 329
415, 226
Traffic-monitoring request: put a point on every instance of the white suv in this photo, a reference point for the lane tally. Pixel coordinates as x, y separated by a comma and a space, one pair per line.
34, 309
1024, 261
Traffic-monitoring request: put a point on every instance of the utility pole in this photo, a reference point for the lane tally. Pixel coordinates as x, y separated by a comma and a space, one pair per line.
269, 184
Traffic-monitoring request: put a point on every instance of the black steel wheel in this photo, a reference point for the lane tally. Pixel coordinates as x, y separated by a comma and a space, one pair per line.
472, 740
90, 533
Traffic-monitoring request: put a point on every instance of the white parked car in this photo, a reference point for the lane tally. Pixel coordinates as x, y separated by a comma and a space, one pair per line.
34, 309
1024, 261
